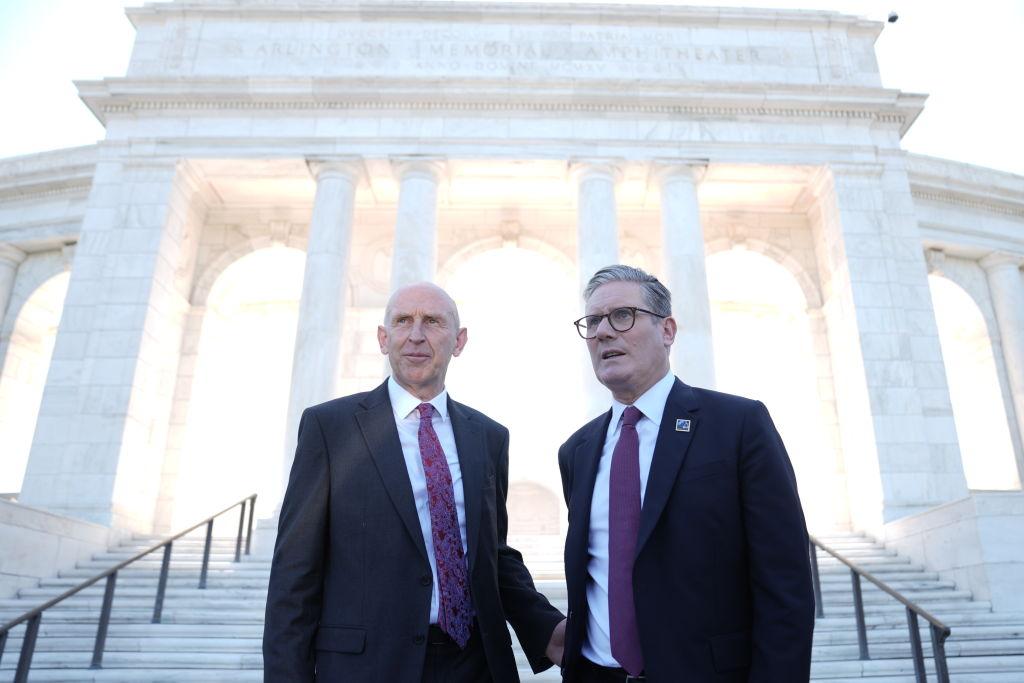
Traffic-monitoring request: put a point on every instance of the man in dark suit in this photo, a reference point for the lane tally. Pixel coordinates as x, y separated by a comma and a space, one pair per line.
391, 562
686, 556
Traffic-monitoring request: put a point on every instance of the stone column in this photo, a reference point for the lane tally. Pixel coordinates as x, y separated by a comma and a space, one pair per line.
896, 419
693, 357
10, 258
316, 366
101, 433
597, 224
1007, 288
597, 236
414, 258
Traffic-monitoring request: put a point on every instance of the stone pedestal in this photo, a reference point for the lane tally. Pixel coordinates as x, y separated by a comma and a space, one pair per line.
693, 358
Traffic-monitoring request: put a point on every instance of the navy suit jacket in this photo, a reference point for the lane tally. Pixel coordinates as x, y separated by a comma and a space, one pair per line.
721, 579
350, 584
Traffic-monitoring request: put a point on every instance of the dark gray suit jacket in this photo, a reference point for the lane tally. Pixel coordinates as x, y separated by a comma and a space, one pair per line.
350, 585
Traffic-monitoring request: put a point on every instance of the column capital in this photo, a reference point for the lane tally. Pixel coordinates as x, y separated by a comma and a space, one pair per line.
430, 168
936, 260
349, 167
670, 168
587, 168
11, 254
998, 260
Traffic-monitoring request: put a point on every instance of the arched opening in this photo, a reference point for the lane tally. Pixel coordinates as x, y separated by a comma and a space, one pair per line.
24, 376
523, 364
234, 430
764, 349
982, 429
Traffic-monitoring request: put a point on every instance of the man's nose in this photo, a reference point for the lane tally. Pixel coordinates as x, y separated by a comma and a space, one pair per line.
416, 334
605, 329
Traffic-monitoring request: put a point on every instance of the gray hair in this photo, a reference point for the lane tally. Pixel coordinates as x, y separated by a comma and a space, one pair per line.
656, 295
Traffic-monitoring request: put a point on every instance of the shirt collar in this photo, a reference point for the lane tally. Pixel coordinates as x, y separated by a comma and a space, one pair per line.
651, 403
403, 403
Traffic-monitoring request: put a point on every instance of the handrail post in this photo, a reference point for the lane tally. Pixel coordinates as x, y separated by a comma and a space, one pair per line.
819, 608
101, 630
858, 606
915, 647
939, 652
28, 648
241, 526
248, 533
161, 586
206, 554
3, 644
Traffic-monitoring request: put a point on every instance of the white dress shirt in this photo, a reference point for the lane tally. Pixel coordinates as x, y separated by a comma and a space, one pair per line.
407, 419
598, 647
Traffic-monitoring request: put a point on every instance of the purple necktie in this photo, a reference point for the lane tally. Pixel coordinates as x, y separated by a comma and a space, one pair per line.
623, 527
454, 612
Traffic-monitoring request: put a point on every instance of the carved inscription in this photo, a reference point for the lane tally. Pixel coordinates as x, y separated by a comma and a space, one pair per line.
561, 51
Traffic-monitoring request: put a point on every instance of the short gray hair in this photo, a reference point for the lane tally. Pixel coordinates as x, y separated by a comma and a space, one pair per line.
656, 295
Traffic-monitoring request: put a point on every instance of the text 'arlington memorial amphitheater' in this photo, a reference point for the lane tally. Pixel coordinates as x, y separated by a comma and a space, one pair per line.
162, 326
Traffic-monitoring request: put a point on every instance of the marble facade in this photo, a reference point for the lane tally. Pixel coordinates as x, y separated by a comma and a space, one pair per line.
396, 141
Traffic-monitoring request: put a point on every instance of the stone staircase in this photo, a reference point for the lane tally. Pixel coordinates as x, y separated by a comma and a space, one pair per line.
214, 634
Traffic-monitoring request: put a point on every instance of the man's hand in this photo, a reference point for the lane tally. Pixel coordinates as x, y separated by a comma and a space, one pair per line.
557, 644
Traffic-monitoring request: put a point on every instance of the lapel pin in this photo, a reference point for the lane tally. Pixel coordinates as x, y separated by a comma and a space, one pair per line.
682, 425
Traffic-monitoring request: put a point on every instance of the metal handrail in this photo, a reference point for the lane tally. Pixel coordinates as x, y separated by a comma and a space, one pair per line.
34, 616
939, 631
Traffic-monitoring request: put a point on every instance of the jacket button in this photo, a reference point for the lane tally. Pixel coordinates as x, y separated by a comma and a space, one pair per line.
419, 639
425, 580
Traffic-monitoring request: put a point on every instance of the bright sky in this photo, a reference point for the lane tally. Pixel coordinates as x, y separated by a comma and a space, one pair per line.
966, 56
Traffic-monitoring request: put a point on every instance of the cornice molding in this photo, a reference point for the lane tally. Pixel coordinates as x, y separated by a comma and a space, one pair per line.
967, 201
130, 97
42, 190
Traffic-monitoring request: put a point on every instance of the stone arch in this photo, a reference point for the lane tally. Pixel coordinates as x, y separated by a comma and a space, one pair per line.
205, 281
979, 404
35, 271
467, 251
533, 509
27, 351
806, 281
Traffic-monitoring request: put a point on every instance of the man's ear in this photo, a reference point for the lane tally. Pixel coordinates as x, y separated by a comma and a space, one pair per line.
460, 341
669, 328
382, 339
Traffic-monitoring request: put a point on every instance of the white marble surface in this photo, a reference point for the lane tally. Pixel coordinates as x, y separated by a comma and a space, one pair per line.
316, 368
414, 255
973, 541
1007, 286
693, 358
37, 544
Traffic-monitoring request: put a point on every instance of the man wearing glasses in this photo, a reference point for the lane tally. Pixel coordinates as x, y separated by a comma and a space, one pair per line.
686, 557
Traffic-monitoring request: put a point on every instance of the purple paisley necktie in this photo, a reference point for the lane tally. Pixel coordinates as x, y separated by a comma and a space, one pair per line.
623, 528
455, 611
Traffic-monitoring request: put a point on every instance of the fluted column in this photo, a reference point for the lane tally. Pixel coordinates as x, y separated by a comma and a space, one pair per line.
317, 360
597, 238
693, 357
414, 258
1007, 288
597, 224
10, 258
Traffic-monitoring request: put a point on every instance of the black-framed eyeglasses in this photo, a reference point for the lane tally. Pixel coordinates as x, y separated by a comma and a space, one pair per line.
621, 319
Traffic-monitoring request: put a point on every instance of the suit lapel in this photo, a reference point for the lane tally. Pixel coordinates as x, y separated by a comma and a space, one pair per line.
471, 444
585, 462
669, 453
377, 423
